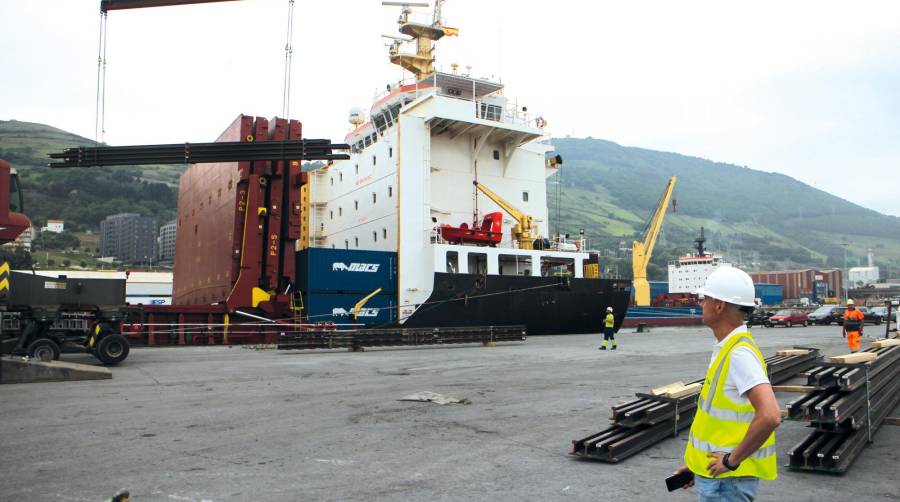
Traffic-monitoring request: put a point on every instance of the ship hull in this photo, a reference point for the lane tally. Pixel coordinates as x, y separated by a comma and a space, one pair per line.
544, 305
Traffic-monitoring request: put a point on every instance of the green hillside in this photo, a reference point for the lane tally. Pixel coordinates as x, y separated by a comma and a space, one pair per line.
82, 197
761, 220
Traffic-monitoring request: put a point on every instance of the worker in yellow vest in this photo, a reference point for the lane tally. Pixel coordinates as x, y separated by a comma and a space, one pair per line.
731, 445
609, 332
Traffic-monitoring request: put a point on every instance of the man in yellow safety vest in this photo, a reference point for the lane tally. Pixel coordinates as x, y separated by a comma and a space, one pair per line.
609, 332
731, 445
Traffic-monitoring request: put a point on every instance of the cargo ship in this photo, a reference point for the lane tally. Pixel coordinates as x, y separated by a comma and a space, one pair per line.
447, 179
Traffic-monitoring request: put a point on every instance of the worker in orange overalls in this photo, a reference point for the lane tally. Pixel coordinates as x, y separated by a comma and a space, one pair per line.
854, 320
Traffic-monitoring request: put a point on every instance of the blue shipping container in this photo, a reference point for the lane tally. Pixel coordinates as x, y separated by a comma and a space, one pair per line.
769, 294
380, 309
322, 270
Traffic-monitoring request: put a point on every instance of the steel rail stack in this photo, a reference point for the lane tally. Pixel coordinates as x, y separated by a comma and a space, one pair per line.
199, 153
643, 422
391, 337
846, 410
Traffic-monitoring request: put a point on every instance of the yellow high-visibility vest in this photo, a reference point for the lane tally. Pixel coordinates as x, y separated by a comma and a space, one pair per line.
610, 321
720, 424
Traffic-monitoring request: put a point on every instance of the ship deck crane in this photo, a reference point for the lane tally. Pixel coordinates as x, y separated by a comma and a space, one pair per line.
641, 251
524, 227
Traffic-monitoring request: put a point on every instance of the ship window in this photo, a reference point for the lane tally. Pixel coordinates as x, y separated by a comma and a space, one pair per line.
374, 197
341, 176
375, 236
477, 263
368, 141
554, 267
332, 246
496, 154
332, 181
346, 244
357, 168
524, 196
374, 160
356, 241
356, 205
511, 264
322, 227
390, 191
391, 151
331, 215
384, 233
340, 211
452, 266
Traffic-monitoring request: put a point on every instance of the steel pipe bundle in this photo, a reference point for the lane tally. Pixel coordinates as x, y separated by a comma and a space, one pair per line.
199, 153
645, 421
357, 339
845, 410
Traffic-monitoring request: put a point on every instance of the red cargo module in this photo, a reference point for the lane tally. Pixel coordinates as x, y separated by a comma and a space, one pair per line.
238, 223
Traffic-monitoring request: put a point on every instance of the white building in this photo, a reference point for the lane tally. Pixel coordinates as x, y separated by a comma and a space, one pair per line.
862, 276
55, 226
688, 274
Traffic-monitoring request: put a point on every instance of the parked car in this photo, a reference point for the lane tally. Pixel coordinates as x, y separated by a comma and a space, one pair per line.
759, 317
882, 311
827, 315
870, 316
788, 318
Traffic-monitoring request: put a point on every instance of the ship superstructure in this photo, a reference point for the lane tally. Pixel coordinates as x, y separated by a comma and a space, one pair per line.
416, 156
688, 273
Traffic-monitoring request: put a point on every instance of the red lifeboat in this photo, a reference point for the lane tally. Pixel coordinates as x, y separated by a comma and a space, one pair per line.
490, 233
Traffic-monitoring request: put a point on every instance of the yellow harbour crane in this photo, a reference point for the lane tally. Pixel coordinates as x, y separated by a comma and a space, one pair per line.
643, 250
523, 230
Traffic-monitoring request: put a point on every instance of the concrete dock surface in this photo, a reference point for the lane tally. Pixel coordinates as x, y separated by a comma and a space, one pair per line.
220, 423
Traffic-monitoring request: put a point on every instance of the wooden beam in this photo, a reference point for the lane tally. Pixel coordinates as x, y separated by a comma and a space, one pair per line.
658, 391
792, 352
687, 390
859, 357
891, 421
793, 388
885, 343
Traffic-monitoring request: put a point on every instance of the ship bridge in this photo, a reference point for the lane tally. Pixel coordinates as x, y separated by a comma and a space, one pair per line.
462, 105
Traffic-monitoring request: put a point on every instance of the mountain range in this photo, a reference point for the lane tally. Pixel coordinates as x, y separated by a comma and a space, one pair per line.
757, 219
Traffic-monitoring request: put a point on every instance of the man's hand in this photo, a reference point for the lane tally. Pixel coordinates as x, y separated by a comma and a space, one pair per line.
716, 467
684, 468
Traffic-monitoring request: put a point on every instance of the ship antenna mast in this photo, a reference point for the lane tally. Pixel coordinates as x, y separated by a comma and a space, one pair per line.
700, 241
420, 64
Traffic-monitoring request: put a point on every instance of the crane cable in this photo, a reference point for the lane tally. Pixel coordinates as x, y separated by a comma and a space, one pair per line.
100, 106
288, 53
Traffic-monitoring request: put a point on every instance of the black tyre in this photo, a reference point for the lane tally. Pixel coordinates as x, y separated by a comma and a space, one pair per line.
805, 323
877, 321
44, 349
788, 324
112, 349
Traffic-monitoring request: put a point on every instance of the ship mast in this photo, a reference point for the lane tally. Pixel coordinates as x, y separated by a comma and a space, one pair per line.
420, 64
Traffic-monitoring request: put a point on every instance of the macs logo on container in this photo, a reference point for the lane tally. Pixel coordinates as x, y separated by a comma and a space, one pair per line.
342, 312
354, 267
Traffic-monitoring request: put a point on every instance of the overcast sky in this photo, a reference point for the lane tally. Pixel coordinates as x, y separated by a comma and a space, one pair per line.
804, 88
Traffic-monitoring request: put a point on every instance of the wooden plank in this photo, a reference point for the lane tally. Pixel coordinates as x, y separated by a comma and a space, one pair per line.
665, 389
859, 357
793, 388
792, 352
891, 421
687, 390
886, 343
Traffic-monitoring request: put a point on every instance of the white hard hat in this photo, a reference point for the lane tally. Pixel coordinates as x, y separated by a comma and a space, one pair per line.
851, 302
731, 285
609, 309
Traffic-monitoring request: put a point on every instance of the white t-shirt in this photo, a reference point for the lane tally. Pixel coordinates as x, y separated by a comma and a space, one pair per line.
746, 370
